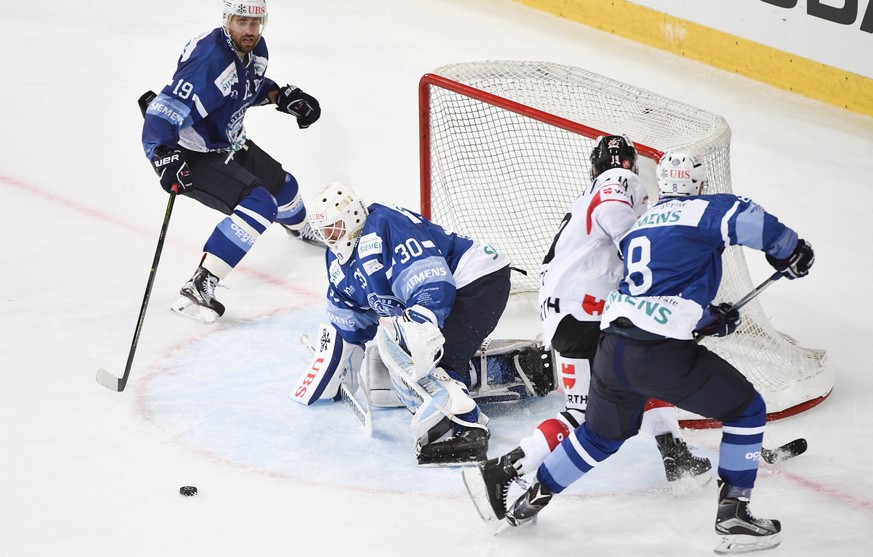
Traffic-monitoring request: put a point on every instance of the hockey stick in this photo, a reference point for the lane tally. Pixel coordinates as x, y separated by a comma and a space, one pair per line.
364, 416
784, 452
105, 378
745, 299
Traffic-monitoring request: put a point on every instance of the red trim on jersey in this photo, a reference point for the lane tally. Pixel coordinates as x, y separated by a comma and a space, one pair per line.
596, 203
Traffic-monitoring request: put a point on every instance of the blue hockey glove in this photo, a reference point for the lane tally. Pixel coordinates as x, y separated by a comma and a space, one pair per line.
725, 321
172, 168
304, 107
797, 264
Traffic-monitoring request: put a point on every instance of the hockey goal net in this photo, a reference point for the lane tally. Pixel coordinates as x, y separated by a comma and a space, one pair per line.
504, 153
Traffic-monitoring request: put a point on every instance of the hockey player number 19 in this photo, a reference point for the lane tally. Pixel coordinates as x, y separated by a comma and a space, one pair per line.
638, 258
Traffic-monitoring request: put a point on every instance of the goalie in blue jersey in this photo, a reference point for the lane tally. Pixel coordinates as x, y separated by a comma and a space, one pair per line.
648, 349
194, 136
427, 297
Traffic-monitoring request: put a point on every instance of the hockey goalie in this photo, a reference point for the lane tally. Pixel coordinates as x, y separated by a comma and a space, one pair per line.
423, 300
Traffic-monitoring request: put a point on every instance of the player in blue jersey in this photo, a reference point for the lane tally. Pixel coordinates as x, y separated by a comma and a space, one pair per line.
672, 271
429, 298
194, 136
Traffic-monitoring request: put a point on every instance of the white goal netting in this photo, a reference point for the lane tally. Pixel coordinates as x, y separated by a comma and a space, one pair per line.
504, 153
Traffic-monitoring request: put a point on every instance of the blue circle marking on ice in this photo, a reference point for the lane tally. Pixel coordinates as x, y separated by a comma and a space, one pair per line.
226, 395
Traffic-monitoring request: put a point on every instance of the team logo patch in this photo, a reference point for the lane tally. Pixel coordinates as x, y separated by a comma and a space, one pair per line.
568, 375
370, 244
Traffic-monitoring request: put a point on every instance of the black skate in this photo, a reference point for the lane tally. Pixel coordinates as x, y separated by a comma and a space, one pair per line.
526, 507
684, 470
488, 484
740, 531
304, 233
197, 298
468, 446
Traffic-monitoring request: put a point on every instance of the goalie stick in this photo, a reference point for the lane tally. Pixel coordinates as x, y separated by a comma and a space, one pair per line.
363, 415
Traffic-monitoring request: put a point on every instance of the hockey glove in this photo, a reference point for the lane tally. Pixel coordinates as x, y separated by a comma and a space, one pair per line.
304, 107
797, 264
172, 168
725, 321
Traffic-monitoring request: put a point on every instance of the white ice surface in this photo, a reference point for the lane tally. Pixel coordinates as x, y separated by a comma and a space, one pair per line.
84, 471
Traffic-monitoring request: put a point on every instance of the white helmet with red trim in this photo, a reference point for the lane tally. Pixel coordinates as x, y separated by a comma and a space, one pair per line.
244, 8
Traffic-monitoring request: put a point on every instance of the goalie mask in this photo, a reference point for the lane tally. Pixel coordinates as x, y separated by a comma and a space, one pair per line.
337, 217
680, 174
613, 151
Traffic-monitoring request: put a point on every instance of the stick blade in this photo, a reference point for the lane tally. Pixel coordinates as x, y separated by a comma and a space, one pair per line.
110, 381
786, 451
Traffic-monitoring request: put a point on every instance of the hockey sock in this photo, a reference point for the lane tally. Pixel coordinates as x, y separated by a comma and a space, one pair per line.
291, 211
740, 448
235, 235
659, 418
574, 457
544, 440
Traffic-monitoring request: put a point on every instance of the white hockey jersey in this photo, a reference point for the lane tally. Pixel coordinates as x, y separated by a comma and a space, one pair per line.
583, 265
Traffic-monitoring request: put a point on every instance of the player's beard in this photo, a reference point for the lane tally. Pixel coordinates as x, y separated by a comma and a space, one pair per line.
246, 43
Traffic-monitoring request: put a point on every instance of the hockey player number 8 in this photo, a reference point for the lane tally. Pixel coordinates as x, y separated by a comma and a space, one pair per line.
638, 259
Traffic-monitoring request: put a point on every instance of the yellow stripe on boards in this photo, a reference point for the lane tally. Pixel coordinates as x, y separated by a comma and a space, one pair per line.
716, 48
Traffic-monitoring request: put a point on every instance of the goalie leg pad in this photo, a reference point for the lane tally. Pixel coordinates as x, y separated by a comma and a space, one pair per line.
332, 361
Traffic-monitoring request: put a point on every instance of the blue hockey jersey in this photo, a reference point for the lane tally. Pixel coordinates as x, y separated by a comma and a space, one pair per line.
672, 259
401, 259
203, 107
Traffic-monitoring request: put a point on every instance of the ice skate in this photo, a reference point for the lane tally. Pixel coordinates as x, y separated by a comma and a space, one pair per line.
740, 531
197, 298
526, 507
468, 446
303, 233
488, 484
685, 471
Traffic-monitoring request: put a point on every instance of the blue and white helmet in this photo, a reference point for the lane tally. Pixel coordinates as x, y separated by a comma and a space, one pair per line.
680, 174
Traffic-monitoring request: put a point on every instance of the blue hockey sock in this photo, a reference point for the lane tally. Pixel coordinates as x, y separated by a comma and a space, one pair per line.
581, 451
740, 448
291, 211
235, 235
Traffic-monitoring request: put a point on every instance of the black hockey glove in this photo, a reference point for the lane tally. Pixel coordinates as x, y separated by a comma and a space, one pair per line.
797, 264
725, 321
304, 107
171, 168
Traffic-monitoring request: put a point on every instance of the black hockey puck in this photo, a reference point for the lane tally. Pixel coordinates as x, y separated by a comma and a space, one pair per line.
188, 490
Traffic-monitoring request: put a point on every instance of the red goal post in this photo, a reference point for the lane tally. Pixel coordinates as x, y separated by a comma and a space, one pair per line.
504, 148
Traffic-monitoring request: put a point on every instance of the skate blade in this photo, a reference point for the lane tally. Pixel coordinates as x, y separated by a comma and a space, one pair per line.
740, 543
476, 489
184, 306
690, 484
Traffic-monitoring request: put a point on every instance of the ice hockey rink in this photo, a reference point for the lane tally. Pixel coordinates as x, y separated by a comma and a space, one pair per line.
86, 471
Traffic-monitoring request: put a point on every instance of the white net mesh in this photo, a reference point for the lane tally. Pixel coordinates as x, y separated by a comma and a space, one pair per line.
505, 148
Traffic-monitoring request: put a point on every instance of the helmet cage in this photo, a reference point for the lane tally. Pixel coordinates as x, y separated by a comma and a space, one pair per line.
336, 218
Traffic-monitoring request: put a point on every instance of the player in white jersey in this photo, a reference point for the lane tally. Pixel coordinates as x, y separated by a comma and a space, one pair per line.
672, 271
580, 269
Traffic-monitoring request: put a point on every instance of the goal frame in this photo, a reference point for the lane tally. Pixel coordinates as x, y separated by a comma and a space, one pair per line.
431, 79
